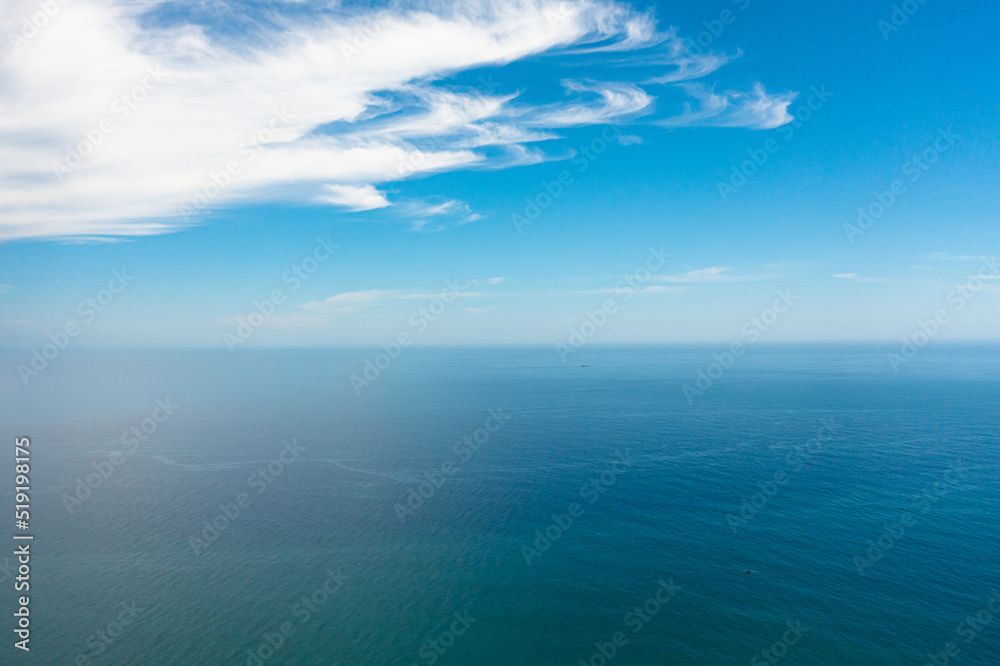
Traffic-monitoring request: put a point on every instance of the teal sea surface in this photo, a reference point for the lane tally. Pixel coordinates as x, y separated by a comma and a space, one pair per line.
496, 506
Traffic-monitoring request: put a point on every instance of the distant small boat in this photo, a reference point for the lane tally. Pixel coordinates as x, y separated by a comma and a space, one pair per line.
584, 366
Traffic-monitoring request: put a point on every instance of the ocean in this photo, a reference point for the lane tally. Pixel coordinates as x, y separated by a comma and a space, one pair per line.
488, 506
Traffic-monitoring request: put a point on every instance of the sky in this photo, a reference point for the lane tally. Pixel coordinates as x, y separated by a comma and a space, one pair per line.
246, 174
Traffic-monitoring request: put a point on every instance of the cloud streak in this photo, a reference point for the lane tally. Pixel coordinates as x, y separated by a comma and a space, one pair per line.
350, 302
854, 277
711, 275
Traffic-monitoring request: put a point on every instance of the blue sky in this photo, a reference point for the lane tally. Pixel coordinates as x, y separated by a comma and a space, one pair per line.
415, 147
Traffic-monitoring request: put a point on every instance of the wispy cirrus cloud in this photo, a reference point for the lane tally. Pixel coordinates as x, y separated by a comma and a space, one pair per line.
428, 215
350, 302
162, 111
638, 289
710, 275
948, 256
611, 102
755, 109
854, 277
432, 295
691, 66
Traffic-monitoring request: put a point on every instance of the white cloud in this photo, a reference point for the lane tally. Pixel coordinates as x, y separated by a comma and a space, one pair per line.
430, 296
613, 101
857, 278
350, 301
455, 210
4, 288
692, 66
354, 301
354, 197
711, 275
425, 224
650, 289
306, 106
948, 256
661, 289
427, 209
755, 109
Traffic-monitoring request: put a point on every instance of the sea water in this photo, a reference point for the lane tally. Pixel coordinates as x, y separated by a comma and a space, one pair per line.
492, 506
